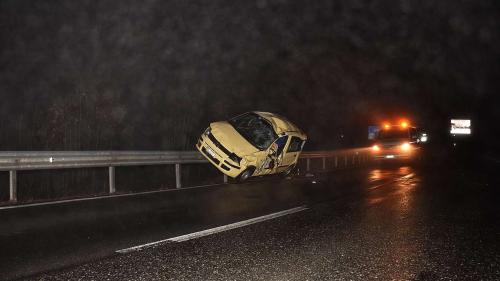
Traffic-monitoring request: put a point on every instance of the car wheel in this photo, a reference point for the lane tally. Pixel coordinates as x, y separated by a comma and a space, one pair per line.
246, 174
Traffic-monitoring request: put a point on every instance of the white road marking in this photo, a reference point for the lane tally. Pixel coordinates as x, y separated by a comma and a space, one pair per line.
215, 230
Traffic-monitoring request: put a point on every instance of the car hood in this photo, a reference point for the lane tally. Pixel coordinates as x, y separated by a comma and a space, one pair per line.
231, 139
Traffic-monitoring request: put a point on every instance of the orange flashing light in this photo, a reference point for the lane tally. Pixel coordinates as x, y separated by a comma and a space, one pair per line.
387, 126
404, 124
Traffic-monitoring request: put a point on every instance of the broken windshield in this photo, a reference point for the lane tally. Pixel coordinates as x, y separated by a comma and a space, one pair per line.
255, 129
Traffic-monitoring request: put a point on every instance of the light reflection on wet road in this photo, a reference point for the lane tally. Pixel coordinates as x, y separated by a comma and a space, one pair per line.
387, 223
391, 208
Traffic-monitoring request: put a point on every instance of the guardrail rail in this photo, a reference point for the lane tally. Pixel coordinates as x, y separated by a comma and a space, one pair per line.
14, 161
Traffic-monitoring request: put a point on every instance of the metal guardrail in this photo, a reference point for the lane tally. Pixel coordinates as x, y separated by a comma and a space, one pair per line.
13, 161
43, 160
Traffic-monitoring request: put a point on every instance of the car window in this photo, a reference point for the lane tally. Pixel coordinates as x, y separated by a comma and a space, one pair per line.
295, 145
281, 142
254, 129
393, 134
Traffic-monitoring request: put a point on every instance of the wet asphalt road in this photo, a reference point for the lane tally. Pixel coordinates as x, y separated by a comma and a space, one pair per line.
390, 223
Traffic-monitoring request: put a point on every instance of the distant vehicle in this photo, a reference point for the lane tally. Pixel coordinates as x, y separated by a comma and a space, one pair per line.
401, 141
252, 144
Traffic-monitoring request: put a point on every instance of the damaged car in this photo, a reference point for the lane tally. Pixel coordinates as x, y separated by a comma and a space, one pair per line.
253, 144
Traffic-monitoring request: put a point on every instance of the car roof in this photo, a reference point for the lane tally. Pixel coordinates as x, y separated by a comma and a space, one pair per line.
281, 124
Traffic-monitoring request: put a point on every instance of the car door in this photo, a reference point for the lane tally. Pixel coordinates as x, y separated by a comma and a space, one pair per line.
273, 157
290, 155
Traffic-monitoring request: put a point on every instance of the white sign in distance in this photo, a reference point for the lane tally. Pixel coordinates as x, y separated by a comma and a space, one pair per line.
460, 127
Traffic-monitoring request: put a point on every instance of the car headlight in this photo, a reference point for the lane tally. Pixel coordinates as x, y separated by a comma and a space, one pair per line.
375, 148
235, 158
405, 146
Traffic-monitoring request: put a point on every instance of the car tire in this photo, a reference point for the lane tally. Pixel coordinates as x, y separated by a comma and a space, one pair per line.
245, 174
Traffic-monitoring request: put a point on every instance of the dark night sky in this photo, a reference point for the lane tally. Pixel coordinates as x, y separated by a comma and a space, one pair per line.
85, 75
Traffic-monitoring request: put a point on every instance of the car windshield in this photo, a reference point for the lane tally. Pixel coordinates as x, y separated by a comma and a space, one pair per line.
255, 129
393, 134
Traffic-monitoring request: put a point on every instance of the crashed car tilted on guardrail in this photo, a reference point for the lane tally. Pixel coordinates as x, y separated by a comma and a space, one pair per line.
252, 144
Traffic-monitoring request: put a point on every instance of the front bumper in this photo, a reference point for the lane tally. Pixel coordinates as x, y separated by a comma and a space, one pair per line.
218, 157
395, 154
390, 156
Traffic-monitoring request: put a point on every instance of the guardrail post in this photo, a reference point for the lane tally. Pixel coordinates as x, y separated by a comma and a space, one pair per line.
324, 163
336, 161
112, 187
345, 160
13, 186
178, 183
225, 178
308, 164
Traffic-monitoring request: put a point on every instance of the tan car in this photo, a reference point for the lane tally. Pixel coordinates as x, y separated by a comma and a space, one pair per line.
252, 144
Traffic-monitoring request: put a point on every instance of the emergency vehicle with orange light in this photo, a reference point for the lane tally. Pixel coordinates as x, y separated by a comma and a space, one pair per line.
398, 141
